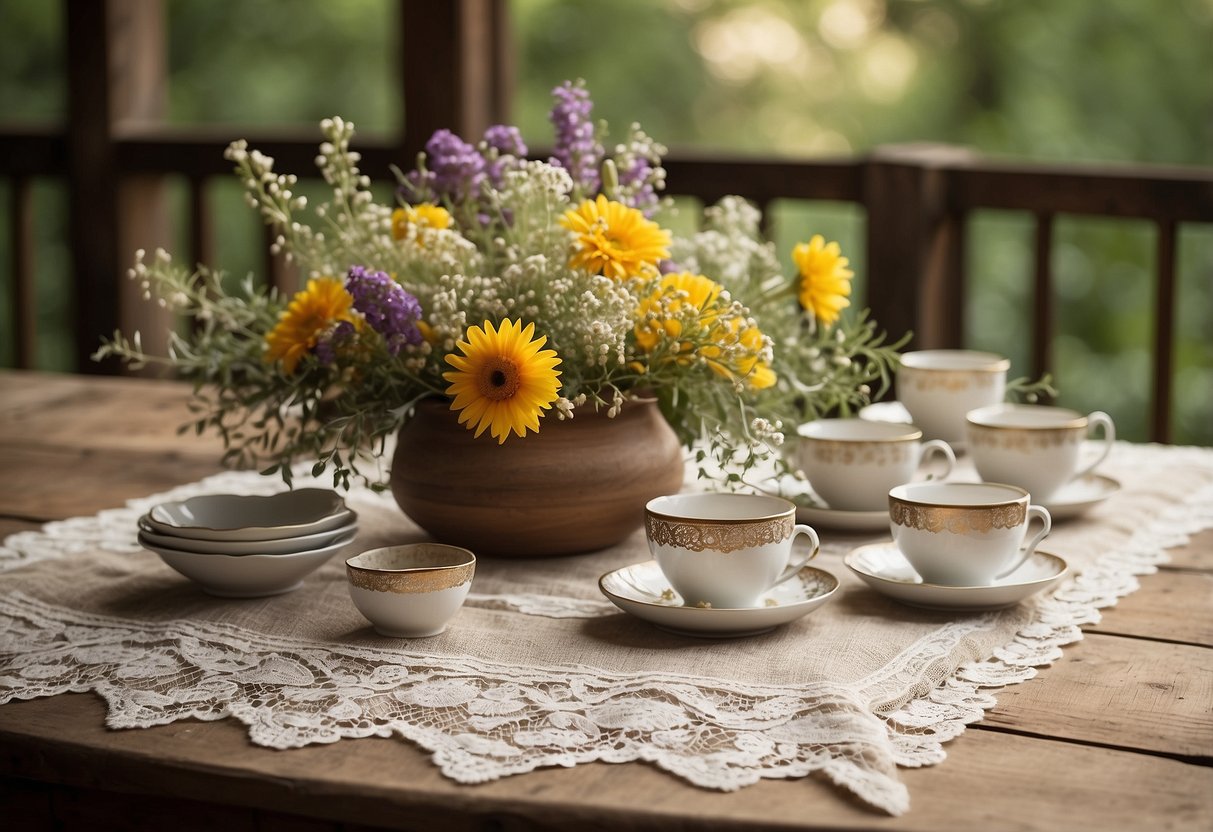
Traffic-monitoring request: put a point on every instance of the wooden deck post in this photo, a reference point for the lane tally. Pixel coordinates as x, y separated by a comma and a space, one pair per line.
915, 244
457, 69
92, 179
116, 79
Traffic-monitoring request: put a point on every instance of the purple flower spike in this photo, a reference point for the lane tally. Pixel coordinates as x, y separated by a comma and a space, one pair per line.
511, 149
456, 169
388, 308
506, 140
635, 179
576, 149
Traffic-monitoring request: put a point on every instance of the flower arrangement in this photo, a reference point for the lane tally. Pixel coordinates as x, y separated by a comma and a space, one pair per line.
521, 291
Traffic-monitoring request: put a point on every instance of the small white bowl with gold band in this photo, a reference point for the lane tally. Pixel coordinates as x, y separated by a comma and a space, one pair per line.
412, 590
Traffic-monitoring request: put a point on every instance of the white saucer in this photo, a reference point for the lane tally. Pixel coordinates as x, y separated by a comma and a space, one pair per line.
895, 411
820, 517
882, 567
1076, 497
642, 590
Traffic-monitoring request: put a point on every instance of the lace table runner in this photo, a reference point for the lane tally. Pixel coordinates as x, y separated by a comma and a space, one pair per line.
538, 669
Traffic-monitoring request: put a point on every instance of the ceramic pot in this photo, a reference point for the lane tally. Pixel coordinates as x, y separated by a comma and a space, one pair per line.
575, 486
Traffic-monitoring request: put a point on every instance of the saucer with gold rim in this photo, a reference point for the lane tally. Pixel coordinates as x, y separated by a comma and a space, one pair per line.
821, 517
891, 411
883, 567
1076, 498
643, 591
895, 411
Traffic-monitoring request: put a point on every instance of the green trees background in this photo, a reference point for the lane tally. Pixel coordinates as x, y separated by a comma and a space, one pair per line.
1078, 81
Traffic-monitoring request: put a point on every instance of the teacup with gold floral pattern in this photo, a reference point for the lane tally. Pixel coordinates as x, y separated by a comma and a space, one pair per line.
964, 534
1034, 446
412, 590
852, 463
725, 550
938, 387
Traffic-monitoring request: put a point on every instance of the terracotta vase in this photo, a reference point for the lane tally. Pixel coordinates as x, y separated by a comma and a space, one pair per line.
575, 486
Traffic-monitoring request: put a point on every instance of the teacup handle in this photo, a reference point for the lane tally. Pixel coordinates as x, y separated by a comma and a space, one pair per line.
794, 568
1026, 552
1095, 420
938, 446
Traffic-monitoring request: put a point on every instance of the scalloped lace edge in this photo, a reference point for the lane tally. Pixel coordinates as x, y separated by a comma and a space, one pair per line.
745, 733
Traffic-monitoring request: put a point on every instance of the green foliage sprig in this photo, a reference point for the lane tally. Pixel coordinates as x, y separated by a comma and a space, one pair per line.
732, 371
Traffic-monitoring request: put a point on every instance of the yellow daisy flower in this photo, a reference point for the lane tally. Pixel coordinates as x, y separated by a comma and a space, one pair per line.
503, 380
688, 306
677, 298
311, 311
423, 215
825, 280
615, 240
741, 361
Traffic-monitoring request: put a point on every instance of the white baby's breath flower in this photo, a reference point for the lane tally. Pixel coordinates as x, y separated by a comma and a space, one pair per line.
505, 254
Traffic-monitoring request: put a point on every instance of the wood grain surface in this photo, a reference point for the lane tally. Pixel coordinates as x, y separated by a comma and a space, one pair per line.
1117, 735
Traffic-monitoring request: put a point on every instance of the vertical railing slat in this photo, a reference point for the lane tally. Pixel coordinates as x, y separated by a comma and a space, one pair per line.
24, 300
1164, 329
279, 274
200, 226
1043, 305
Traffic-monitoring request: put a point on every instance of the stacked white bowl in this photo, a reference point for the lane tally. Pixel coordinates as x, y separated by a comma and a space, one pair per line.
248, 546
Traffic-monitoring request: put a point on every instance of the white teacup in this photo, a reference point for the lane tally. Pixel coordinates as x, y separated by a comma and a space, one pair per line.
938, 387
852, 463
1034, 446
725, 550
412, 590
964, 534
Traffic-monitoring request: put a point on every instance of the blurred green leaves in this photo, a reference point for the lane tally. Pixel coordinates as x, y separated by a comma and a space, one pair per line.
1076, 82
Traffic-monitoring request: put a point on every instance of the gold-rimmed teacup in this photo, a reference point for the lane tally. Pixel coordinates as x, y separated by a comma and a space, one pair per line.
725, 550
413, 590
938, 387
964, 534
1034, 446
852, 463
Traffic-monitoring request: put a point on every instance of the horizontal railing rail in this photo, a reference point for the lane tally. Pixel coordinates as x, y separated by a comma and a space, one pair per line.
916, 199
115, 152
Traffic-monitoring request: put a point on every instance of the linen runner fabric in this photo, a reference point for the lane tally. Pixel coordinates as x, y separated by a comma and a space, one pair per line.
538, 669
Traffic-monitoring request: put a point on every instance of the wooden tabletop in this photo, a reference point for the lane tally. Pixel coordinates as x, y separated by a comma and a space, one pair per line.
1118, 735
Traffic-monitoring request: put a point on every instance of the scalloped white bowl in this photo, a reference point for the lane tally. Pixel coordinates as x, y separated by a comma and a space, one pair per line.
274, 546
251, 517
247, 576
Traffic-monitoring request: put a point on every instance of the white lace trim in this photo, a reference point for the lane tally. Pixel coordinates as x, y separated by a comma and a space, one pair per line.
482, 720
920, 726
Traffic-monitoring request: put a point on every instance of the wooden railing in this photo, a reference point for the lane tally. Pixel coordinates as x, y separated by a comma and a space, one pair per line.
917, 200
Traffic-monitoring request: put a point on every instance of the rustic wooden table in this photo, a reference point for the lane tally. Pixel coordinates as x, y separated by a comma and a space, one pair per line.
1118, 735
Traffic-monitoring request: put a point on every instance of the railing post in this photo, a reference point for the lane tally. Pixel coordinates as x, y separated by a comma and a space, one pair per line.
457, 71
116, 76
92, 178
915, 248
